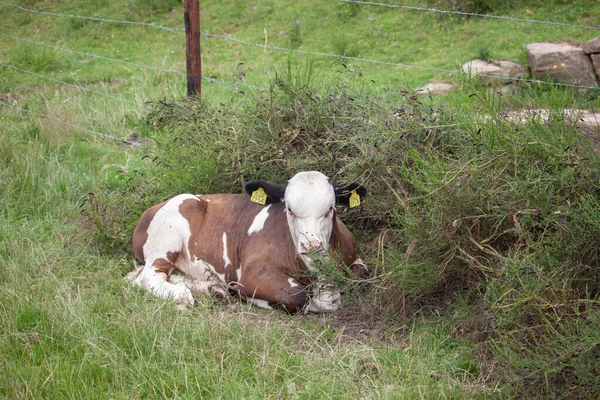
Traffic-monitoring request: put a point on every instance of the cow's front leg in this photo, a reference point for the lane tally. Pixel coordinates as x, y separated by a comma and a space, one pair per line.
324, 299
359, 269
268, 288
153, 278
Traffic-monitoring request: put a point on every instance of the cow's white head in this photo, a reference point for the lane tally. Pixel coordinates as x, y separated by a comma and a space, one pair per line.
310, 201
310, 208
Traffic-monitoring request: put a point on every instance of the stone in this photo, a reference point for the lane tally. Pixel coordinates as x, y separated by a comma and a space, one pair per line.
592, 46
489, 70
586, 120
596, 62
562, 62
589, 121
435, 89
511, 69
524, 116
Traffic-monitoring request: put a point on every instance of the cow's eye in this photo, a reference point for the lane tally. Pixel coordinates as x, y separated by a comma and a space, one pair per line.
331, 210
289, 210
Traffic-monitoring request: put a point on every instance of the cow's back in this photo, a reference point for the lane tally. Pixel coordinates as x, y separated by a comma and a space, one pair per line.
224, 231
236, 233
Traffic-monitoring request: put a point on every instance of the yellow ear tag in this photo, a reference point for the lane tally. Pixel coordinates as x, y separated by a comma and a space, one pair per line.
259, 196
354, 199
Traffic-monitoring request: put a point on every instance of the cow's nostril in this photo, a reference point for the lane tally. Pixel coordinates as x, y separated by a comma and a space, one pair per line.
312, 246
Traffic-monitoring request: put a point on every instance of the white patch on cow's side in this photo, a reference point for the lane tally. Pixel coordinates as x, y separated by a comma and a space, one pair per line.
168, 232
293, 282
238, 273
259, 303
259, 221
226, 260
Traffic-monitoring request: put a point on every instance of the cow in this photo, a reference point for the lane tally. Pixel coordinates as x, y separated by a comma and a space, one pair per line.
261, 245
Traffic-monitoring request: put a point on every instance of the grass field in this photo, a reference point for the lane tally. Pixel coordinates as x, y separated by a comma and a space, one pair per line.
497, 316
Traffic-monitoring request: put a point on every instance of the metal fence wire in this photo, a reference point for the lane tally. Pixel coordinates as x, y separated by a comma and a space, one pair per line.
212, 36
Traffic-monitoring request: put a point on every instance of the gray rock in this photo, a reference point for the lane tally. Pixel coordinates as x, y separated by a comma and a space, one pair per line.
489, 70
592, 46
596, 62
562, 62
587, 120
511, 69
435, 89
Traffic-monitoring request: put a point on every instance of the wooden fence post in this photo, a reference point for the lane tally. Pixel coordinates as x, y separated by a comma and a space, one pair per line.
193, 63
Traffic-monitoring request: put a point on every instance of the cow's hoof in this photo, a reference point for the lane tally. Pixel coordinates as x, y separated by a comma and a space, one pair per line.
184, 299
359, 270
325, 301
217, 290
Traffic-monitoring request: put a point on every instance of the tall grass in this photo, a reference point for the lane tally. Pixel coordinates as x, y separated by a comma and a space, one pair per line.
481, 234
70, 326
482, 208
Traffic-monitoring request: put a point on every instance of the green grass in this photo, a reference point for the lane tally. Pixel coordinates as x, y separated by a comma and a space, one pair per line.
71, 327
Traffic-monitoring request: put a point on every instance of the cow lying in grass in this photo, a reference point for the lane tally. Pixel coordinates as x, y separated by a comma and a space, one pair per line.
260, 245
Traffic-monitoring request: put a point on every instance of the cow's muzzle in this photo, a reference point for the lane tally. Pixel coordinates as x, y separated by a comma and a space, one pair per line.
312, 246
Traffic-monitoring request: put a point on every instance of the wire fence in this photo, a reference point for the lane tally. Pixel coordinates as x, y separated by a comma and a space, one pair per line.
306, 52
264, 46
44, 115
115, 60
394, 64
149, 24
469, 14
83, 88
82, 53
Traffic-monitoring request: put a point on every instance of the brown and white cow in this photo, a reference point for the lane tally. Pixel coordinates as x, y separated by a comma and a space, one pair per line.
257, 244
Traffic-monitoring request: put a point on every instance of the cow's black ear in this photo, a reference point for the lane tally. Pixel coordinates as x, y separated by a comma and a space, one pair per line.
262, 192
350, 195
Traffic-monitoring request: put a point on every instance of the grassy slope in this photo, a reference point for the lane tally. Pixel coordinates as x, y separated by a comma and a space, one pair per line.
70, 327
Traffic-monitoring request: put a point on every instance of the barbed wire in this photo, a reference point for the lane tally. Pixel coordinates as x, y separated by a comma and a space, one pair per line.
67, 123
447, 71
25, 71
321, 54
217, 82
400, 6
149, 24
370, 3
172, 71
300, 51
